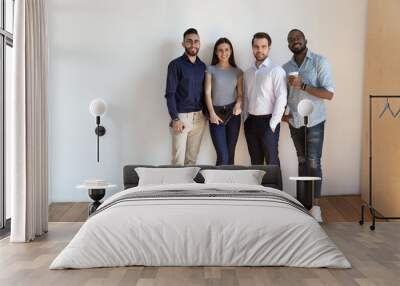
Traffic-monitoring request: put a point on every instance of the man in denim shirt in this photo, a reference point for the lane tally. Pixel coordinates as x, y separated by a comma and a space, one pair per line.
314, 82
185, 96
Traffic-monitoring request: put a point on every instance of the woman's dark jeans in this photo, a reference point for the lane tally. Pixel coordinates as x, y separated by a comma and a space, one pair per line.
224, 138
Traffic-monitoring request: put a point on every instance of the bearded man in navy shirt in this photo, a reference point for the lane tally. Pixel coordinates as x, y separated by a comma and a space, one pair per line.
185, 97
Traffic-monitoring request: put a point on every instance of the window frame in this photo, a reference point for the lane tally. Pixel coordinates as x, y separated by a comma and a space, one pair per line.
6, 39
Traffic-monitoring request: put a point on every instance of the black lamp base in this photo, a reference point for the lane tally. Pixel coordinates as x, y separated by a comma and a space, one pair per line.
305, 193
96, 195
100, 130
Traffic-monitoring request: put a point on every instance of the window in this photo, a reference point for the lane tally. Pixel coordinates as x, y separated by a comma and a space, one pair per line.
9, 19
6, 61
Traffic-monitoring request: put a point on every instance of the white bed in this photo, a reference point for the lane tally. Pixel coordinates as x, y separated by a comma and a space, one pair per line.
202, 231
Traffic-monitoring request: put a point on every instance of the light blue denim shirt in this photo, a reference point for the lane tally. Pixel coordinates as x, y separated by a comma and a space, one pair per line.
315, 71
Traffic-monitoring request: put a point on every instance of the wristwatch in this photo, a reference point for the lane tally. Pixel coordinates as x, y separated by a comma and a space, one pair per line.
303, 86
172, 121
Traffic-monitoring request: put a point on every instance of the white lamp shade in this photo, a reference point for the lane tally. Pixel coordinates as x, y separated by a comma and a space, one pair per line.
97, 107
305, 107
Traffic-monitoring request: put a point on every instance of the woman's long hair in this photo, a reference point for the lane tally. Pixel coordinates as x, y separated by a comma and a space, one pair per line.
215, 59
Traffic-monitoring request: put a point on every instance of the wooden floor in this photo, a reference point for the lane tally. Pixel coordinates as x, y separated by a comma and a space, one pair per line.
374, 255
334, 209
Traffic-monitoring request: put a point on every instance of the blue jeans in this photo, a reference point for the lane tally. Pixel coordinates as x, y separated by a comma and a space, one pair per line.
224, 138
261, 141
310, 164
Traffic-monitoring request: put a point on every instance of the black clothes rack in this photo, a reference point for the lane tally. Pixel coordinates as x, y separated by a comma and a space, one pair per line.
369, 205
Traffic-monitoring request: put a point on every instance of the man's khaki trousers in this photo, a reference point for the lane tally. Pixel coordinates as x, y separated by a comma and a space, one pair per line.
186, 145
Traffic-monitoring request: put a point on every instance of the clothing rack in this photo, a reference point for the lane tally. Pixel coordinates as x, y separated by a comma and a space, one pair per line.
369, 205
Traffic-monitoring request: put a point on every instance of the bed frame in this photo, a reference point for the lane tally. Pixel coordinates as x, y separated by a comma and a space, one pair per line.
272, 177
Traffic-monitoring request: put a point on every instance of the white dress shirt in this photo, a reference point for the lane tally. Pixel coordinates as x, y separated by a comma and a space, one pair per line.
265, 91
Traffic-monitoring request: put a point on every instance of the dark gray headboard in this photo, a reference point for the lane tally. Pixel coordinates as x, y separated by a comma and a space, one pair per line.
272, 177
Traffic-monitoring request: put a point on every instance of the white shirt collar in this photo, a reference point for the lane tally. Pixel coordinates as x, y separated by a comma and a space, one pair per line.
265, 63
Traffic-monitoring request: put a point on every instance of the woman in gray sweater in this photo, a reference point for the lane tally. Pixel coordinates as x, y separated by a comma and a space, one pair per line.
224, 98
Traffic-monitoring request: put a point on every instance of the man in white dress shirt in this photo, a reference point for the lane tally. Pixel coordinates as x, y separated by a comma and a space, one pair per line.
265, 93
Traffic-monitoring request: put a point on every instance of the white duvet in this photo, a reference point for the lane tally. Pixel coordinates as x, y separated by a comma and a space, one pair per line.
200, 231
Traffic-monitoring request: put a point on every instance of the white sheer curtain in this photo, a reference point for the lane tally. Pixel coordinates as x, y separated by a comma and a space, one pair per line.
28, 123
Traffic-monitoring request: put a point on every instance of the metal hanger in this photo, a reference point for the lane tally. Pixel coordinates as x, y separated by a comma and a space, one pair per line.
387, 107
397, 113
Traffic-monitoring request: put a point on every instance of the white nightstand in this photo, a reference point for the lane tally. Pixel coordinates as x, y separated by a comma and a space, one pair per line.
305, 187
96, 193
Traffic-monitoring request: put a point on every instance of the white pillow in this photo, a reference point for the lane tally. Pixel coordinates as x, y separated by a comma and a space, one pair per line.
165, 176
248, 177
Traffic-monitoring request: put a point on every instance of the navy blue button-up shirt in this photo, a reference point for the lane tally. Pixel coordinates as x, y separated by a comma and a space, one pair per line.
185, 86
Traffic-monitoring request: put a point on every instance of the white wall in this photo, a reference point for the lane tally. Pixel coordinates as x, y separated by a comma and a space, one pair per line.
119, 51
